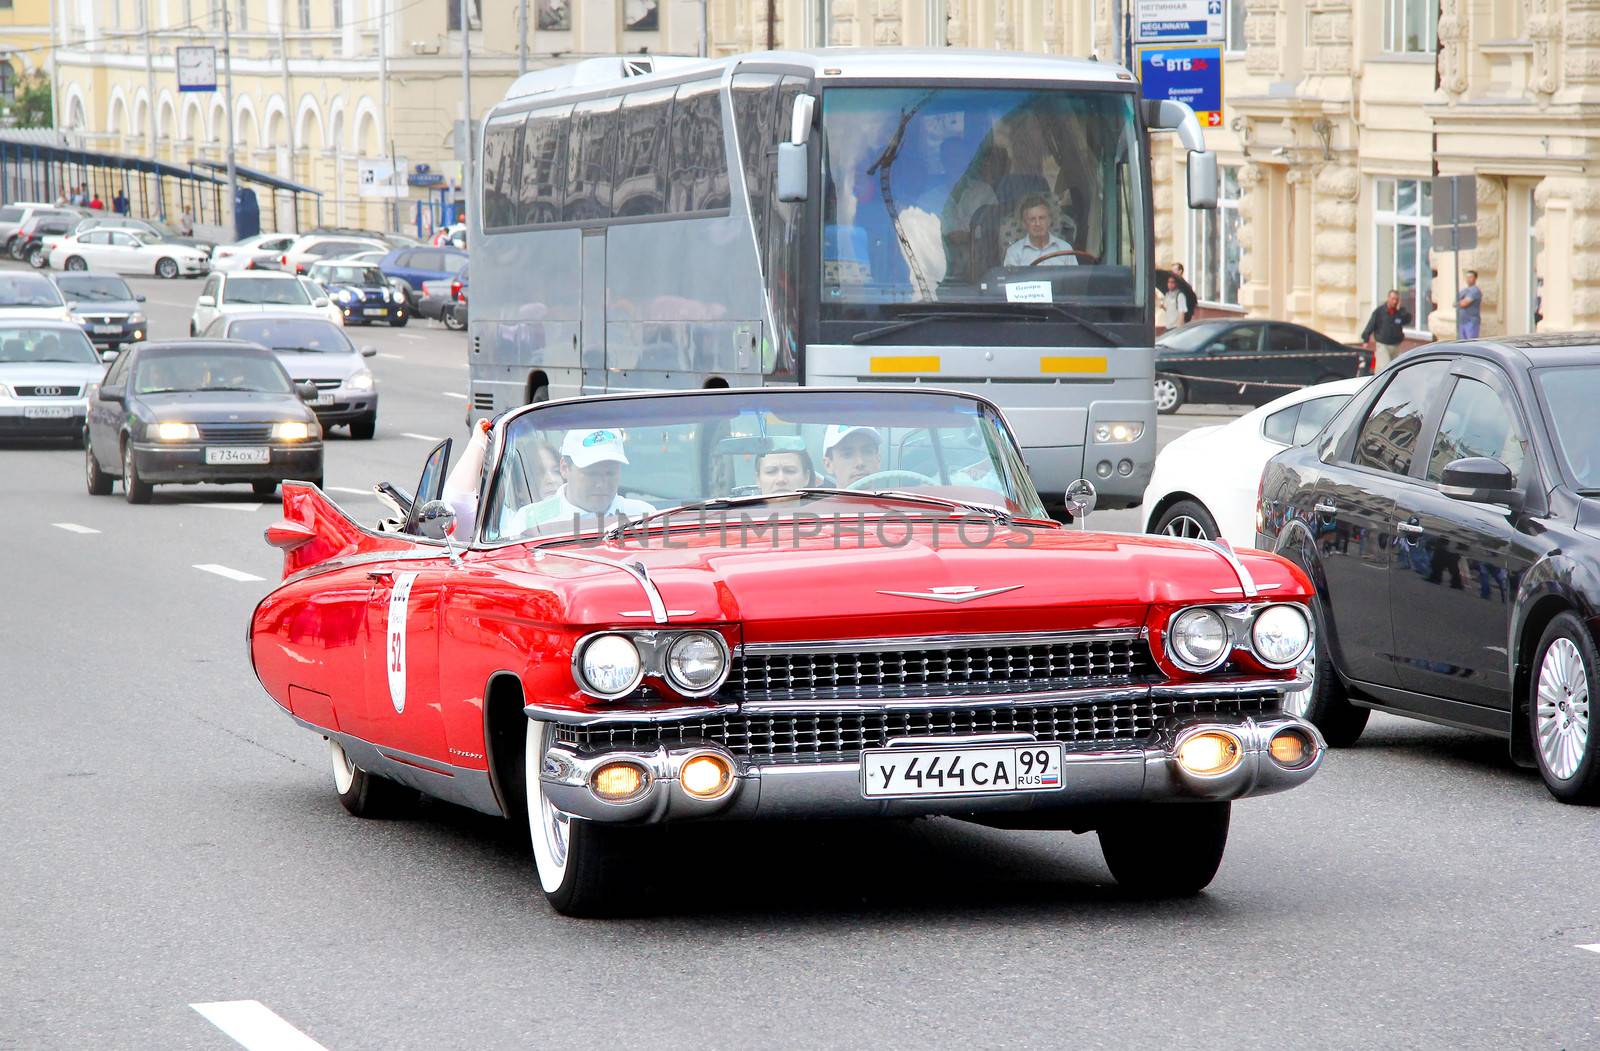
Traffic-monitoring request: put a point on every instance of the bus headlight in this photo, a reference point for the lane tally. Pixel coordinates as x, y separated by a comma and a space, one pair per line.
1117, 432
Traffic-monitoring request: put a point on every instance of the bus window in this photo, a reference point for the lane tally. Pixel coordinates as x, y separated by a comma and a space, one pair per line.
544, 166
753, 97
591, 159
780, 357
642, 154
699, 162
502, 141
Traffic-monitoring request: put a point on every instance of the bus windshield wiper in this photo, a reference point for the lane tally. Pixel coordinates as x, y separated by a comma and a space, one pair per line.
905, 321
1111, 338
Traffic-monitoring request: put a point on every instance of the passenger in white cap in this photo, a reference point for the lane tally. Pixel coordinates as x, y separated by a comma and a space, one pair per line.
591, 472
851, 453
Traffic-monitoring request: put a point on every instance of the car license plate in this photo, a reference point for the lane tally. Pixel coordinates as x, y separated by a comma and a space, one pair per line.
46, 412
960, 771
216, 454
107, 330
371, 311
323, 399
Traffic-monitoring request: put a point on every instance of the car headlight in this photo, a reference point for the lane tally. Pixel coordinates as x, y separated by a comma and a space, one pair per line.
360, 380
136, 319
1198, 639
1280, 635
696, 662
396, 296
1118, 431
345, 294
291, 430
176, 432
609, 666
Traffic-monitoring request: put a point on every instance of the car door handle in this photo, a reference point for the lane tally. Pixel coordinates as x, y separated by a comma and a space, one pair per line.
1325, 509
1409, 528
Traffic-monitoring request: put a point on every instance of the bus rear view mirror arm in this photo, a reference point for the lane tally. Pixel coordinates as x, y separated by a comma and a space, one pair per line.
800, 119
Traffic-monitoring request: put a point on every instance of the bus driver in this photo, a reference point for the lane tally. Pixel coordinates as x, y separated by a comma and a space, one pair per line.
591, 473
1039, 242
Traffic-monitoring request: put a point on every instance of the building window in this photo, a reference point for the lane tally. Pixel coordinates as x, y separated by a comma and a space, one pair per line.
338, 14
8, 82
1535, 282
641, 16
243, 15
1402, 215
1214, 245
454, 7
1236, 13
1410, 27
305, 14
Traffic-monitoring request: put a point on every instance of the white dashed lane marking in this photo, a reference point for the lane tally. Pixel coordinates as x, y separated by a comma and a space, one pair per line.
420, 437
454, 394
224, 571
231, 507
73, 527
254, 1025
1591, 948
392, 357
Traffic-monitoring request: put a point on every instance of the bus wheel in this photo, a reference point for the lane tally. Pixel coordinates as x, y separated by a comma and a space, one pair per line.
1169, 394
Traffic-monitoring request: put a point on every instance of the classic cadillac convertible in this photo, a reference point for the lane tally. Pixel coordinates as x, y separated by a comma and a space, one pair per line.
781, 604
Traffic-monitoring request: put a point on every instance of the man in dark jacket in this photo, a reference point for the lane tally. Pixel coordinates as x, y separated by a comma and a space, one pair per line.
1387, 326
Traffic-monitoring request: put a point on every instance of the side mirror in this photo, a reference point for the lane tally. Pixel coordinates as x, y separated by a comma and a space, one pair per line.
320, 301
1171, 115
792, 171
206, 301
369, 352
138, 297
306, 391
1480, 479
436, 520
1081, 498
1203, 184
109, 355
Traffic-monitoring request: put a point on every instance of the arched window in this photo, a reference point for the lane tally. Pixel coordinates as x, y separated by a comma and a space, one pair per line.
8, 82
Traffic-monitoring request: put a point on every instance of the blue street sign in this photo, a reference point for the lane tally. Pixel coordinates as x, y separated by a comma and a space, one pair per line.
1173, 21
1185, 74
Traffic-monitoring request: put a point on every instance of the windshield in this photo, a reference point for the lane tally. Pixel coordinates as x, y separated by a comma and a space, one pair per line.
93, 289
247, 290
1188, 337
347, 275
1569, 396
307, 334
211, 370
28, 290
627, 457
146, 238
979, 195
31, 345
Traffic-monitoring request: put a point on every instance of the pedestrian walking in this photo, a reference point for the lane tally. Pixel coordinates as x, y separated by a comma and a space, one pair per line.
1172, 304
119, 203
1190, 299
1387, 327
1469, 309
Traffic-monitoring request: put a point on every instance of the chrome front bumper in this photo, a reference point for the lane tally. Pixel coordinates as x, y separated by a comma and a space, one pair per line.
1148, 772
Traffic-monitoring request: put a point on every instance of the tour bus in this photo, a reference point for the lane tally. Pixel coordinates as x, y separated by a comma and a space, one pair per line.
968, 220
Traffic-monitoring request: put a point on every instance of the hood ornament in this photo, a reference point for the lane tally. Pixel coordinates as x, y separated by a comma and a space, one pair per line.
953, 593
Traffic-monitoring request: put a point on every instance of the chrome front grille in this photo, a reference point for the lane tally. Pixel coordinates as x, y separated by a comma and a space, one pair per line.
840, 737
951, 665
48, 390
322, 384
235, 432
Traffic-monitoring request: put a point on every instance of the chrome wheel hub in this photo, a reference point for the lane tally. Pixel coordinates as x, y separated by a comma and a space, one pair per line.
1166, 394
1561, 716
1185, 526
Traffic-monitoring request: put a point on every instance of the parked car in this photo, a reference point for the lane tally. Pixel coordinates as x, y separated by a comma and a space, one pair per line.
312, 248
437, 293
262, 251
13, 215
250, 292
160, 230
1247, 362
46, 368
38, 237
317, 352
1450, 518
199, 411
1205, 482
361, 292
128, 252
455, 314
1126, 684
413, 266
106, 308
32, 297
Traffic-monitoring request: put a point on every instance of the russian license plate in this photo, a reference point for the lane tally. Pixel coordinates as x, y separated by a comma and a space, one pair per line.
107, 330
46, 412
323, 399
964, 771
375, 311
220, 454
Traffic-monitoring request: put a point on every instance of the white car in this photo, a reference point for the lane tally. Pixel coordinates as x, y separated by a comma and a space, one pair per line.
128, 252
313, 248
46, 370
240, 254
1205, 482
256, 292
32, 297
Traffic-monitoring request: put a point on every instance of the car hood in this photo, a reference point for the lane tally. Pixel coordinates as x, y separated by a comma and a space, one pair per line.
88, 307
316, 365
275, 308
228, 406
51, 373
841, 585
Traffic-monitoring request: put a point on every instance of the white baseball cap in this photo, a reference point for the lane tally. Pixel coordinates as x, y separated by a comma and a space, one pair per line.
837, 432
587, 448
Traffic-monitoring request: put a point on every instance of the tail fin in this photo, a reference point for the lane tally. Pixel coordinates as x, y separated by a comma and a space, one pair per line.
315, 529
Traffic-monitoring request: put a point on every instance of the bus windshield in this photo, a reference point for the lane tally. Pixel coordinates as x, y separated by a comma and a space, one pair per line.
979, 196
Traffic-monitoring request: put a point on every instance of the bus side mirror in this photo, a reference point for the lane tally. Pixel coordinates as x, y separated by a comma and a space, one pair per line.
791, 172
1202, 180
1171, 115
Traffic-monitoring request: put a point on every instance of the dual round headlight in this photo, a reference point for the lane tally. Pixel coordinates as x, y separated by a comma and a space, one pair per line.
1200, 639
1280, 636
693, 663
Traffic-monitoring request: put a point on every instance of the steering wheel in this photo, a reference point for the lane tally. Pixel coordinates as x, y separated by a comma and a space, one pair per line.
895, 479
1067, 251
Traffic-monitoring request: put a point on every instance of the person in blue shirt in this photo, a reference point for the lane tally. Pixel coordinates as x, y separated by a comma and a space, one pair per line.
1469, 308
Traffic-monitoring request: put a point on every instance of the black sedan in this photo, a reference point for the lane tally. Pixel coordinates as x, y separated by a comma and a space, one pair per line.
199, 411
1449, 517
106, 307
1247, 362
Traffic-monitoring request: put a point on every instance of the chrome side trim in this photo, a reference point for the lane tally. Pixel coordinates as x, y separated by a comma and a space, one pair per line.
658, 608
573, 717
920, 642
1247, 583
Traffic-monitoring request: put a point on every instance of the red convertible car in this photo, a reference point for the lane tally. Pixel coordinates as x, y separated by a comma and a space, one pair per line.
782, 603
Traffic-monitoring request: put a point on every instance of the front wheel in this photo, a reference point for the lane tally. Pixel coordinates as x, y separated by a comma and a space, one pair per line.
98, 482
37, 259
1561, 711
1165, 850
364, 794
1169, 394
166, 269
266, 487
77, 263
1324, 702
399, 321
364, 427
582, 866
1189, 519
133, 490
452, 319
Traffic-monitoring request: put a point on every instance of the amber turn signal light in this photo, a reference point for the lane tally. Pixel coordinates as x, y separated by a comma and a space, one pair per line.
618, 781
1291, 749
706, 776
1209, 753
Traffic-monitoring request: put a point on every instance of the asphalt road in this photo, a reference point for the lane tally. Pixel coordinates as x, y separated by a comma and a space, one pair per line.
170, 839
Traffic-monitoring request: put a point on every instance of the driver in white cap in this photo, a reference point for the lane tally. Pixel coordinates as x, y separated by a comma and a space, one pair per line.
591, 472
849, 454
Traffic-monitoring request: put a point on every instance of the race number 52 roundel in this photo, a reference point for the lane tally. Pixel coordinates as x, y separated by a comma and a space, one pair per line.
396, 645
